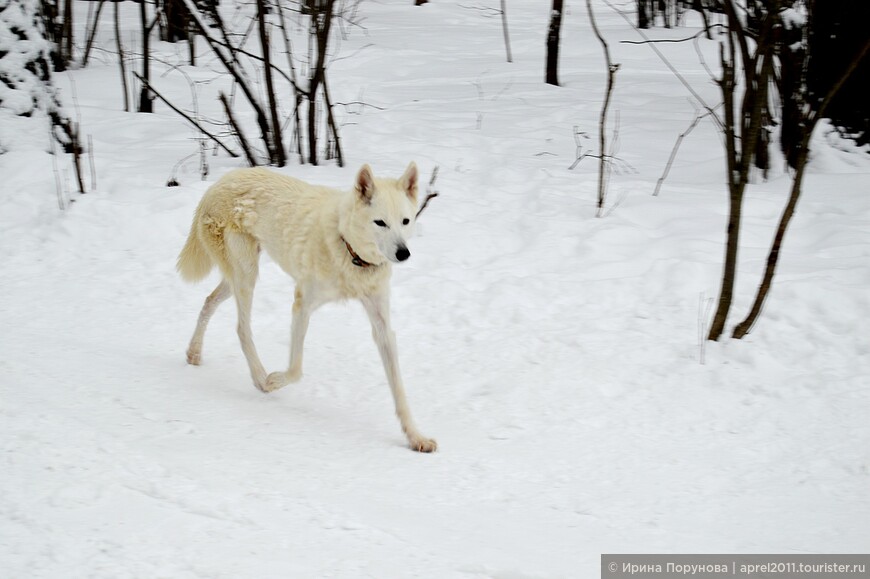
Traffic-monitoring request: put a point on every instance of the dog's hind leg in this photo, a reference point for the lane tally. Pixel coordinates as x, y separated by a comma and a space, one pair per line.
303, 306
243, 254
378, 309
194, 350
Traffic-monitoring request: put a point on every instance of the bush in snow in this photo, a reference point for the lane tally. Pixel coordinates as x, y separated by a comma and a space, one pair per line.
26, 89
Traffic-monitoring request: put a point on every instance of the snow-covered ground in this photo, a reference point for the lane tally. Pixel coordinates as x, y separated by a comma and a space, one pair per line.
554, 356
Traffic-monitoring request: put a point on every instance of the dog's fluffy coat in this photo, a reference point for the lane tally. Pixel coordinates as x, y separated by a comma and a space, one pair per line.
313, 233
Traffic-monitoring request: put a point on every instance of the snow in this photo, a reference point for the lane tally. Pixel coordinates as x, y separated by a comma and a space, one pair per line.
21, 44
554, 356
794, 17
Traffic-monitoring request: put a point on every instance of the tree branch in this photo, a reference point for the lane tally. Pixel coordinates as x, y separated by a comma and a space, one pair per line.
186, 116
252, 161
430, 193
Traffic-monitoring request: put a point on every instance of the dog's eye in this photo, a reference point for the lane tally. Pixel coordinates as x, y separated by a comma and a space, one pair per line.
380, 223
406, 221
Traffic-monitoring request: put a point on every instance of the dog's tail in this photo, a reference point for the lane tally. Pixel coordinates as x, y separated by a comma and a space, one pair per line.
194, 262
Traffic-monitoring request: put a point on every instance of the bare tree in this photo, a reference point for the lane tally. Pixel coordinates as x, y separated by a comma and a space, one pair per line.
230, 57
25, 71
645, 13
146, 104
58, 29
121, 59
603, 160
321, 21
176, 20
264, 102
553, 32
93, 24
274, 138
810, 118
66, 39
504, 26
742, 126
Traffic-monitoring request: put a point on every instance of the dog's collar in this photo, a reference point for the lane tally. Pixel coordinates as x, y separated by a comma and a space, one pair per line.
354, 258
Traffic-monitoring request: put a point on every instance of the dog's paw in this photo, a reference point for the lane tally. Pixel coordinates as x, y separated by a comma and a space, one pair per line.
274, 381
194, 357
421, 444
277, 380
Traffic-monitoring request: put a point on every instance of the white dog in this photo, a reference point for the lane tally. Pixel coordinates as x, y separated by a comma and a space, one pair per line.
335, 245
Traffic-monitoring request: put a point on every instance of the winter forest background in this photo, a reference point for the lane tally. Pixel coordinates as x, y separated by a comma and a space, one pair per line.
633, 319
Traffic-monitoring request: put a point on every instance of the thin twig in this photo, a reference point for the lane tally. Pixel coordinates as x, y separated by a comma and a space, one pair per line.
75, 137
91, 160
360, 104
61, 202
676, 148
666, 40
430, 194
579, 155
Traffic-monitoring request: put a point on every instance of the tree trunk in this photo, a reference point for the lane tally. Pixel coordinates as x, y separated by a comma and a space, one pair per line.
602, 123
275, 141
735, 196
729, 270
504, 27
321, 31
553, 33
121, 60
740, 147
66, 40
177, 17
89, 44
773, 256
145, 101
644, 13
339, 155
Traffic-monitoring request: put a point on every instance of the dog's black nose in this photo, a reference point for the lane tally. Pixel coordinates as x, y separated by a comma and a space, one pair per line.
402, 254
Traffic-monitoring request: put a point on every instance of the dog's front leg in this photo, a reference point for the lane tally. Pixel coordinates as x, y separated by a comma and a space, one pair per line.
378, 309
303, 306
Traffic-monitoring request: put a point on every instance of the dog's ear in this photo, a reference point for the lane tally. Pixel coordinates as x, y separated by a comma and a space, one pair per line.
409, 181
365, 183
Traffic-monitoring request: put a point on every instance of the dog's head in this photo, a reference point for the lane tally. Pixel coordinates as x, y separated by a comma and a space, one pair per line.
388, 208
